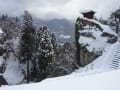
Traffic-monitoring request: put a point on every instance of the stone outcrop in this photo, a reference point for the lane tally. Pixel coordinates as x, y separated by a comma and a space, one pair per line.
83, 54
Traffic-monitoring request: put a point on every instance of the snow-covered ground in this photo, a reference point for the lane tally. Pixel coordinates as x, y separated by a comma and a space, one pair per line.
65, 36
104, 62
13, 73
1, 30
103, 81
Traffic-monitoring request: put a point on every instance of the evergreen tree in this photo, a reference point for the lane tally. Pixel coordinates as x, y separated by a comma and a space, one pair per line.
44, 52
114, 20
64, 61
27, 41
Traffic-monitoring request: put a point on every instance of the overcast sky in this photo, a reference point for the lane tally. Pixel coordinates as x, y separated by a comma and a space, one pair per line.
49, 9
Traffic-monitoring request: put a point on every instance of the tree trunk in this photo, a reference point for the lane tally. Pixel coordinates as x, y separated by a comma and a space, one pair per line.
28, 71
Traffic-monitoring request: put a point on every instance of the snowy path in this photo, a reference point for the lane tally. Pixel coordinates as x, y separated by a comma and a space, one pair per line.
116, 59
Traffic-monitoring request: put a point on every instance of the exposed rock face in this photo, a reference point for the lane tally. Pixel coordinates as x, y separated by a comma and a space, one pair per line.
2, 51
111, 37
89, 34
92, 38
86, 56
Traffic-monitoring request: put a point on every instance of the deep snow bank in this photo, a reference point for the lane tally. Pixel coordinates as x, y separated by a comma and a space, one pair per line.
104, 81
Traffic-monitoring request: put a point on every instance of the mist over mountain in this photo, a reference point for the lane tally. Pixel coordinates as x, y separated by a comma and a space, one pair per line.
63, 28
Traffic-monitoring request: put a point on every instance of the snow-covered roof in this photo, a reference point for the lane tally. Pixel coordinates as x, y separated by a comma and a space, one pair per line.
87, 10
1, 30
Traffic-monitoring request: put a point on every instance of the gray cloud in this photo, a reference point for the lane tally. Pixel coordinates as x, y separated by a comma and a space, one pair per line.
48, 9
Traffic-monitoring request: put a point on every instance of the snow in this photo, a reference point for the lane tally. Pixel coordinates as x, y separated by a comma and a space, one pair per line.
109, 51
1, 30
13, 73
105, 28
103, 81
64, 36
95, 76
98, 43
98, 75
102, 63
1, 60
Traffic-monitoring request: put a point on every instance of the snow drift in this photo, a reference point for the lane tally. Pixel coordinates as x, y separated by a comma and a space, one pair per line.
104, 81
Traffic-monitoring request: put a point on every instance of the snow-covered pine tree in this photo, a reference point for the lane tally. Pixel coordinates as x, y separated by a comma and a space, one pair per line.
114, 21
27, 42
64, 61
44, 52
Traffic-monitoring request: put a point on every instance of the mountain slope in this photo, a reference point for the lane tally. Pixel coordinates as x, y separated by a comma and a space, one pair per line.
58, 26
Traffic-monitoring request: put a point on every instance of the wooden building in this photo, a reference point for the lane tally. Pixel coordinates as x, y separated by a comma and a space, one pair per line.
88, 14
